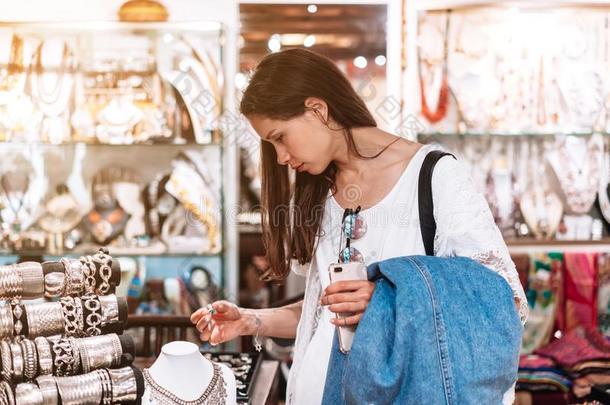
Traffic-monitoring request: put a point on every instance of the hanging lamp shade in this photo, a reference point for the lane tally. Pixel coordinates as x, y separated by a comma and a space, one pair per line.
143, 11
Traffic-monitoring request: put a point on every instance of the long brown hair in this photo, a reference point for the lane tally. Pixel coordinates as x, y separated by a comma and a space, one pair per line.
278, 88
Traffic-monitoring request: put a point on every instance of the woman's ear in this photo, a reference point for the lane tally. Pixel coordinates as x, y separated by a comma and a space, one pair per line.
318, 107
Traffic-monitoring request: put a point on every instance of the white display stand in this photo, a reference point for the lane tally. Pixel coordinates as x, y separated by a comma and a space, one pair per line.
182, 370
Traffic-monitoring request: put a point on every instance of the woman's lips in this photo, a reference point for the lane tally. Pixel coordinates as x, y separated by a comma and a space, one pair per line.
300, 168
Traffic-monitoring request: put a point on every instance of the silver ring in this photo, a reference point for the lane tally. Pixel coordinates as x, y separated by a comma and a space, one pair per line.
210, 308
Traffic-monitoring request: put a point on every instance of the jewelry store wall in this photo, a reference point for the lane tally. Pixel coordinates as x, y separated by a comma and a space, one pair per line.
520, 93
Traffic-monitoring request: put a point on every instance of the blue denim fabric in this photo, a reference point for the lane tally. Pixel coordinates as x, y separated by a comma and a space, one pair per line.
437, 331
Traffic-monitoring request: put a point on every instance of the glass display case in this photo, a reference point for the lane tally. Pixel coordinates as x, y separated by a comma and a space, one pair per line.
111, 134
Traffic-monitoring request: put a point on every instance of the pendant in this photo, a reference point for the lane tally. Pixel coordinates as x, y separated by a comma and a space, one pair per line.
102, 230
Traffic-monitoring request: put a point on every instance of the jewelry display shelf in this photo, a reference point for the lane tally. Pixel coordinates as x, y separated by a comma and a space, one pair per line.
78, 253
80, 26
12, 144
128, 103
532, 246
424, 135
438, 5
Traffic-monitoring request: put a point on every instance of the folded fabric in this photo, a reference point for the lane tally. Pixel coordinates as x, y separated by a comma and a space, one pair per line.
580, 301
545, 378
577, 346
543, 295
437, 330
534, 361
603, 293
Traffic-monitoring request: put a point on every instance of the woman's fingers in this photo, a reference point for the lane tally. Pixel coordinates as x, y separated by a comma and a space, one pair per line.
348, 307
220, 310
348, 321
340, 297
203, 323
205, 335
197, 315
344, 286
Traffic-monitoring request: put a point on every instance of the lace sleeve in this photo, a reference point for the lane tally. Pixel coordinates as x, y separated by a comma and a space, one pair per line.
465, 225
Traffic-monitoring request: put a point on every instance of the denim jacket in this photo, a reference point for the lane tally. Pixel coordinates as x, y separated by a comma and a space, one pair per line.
436, 331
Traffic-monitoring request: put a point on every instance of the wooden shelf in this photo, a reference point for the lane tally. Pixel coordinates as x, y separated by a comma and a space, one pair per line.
533, 245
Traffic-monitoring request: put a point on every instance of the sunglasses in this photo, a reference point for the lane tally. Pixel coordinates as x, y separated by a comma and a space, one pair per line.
353, 227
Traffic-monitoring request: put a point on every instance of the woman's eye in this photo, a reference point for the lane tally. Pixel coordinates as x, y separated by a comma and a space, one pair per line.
279, 138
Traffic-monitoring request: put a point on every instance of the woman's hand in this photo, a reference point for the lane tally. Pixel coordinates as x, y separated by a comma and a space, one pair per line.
219, 322
348, 296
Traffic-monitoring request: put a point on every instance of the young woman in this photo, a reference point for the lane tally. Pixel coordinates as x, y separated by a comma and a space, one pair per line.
312, 122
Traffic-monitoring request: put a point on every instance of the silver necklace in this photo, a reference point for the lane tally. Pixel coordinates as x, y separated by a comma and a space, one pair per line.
215, 393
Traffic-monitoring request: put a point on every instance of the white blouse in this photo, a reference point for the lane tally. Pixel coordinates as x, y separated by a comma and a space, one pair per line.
465, 227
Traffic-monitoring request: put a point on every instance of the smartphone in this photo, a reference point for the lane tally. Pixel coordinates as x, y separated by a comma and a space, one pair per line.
346, 272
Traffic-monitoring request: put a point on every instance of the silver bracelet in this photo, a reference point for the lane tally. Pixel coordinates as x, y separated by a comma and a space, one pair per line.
48, 388
81, 389
7, 360
75, 277
17, 354
30, 359
45, 357
89, 271
64, 357
68, 309
257, 343
76, 355
11, 284
9, 392
54, 285
117, 349
84, 355
110, 309
94, 319
105, 271
32, 279
45, 319
18, 311
28, 393
124, 386
80, 316
33, 322
106, 383
102, 351
3, 396
7, 329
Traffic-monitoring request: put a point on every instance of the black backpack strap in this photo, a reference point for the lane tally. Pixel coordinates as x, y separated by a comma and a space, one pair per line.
426, 204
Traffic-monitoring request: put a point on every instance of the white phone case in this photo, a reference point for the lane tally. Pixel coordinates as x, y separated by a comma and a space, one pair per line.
346, 272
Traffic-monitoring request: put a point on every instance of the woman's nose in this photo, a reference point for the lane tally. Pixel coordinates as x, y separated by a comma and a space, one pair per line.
283, 157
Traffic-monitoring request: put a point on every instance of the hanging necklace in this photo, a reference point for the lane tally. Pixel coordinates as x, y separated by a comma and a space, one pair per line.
579, 181
215, 393
54, 102
6, 190
443, 99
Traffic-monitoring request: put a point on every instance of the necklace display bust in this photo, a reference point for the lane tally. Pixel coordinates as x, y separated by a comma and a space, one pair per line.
181, 375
